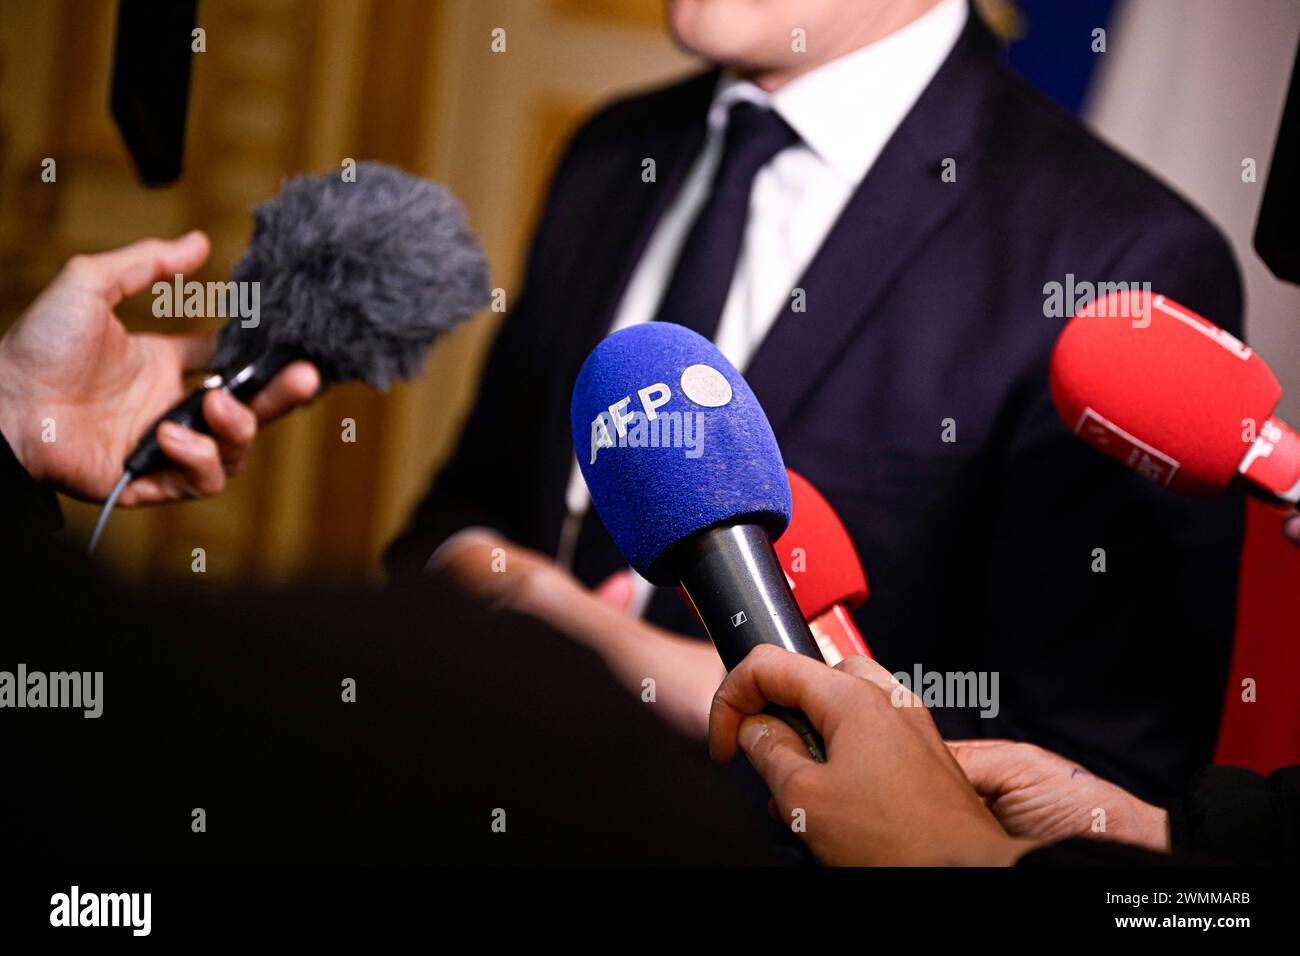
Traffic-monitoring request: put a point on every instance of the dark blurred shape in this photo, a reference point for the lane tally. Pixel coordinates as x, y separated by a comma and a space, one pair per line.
151, 83
1275, 233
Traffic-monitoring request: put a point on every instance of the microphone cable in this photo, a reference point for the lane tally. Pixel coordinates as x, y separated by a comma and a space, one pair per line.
109, 503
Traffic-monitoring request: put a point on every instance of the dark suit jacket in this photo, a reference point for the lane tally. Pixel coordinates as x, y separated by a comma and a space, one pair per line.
925, 303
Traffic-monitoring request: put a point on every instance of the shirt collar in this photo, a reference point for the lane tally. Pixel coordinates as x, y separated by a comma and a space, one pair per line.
846, 110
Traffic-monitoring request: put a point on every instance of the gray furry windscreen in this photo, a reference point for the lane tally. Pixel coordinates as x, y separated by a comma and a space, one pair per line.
360, 276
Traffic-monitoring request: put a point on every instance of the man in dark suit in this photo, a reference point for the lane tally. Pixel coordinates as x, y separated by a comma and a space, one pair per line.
874, 227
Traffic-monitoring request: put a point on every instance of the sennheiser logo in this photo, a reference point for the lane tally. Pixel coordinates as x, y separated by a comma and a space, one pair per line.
74, 690
74, 908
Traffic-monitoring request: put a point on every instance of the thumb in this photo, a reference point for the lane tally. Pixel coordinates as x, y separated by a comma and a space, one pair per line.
775, 750
617, 591
987, 764
123, 272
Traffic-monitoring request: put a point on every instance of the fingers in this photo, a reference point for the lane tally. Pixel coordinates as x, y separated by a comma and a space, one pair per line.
233, 425
540, 587
296, 385
199, 471
123, 272
981, 742
508, 575
772, 674
989, 764
617, 591
197, 458
865, 668
775, 751
203, 461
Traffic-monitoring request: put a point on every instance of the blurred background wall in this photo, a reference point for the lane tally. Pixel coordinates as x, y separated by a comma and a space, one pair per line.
287, 86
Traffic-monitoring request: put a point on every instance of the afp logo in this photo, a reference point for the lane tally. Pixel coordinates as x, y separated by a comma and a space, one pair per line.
701, 384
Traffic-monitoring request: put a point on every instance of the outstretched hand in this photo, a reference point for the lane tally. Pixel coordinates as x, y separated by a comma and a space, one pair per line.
674, 675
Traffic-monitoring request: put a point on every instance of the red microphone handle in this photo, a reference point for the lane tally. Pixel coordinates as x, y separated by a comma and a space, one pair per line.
837, 636
1271, 469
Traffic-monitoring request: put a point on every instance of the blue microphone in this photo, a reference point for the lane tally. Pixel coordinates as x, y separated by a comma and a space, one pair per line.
686, 475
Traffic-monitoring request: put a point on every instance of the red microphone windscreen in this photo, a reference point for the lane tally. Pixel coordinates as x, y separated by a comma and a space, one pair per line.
818, 555
1161, 389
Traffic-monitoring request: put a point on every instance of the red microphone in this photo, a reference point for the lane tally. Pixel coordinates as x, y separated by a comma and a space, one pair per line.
824, 571
1175, 398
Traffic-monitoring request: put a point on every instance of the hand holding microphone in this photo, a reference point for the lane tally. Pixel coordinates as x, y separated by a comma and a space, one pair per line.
77, 390
685, 473
358, 277
892, 796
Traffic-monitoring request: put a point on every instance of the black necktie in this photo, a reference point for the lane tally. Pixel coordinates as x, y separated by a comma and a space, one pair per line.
701, 279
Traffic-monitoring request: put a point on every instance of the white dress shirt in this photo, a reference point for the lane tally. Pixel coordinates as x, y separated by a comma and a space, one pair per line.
844, 111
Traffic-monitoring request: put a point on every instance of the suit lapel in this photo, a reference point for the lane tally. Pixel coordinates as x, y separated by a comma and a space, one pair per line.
629, 209
633, 208
901, 201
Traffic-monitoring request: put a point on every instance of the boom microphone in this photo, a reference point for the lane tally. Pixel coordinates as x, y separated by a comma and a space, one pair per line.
1275, 232
152, 62
357, 277
1175, 398
824, 571
686, 474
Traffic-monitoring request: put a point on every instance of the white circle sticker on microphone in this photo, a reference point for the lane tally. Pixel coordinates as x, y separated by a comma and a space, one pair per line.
705, 385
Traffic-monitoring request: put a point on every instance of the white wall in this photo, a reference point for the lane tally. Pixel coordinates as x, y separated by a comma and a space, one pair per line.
1190, 88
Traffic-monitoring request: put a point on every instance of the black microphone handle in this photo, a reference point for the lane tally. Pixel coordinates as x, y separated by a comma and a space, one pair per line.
741, 594
246, 381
